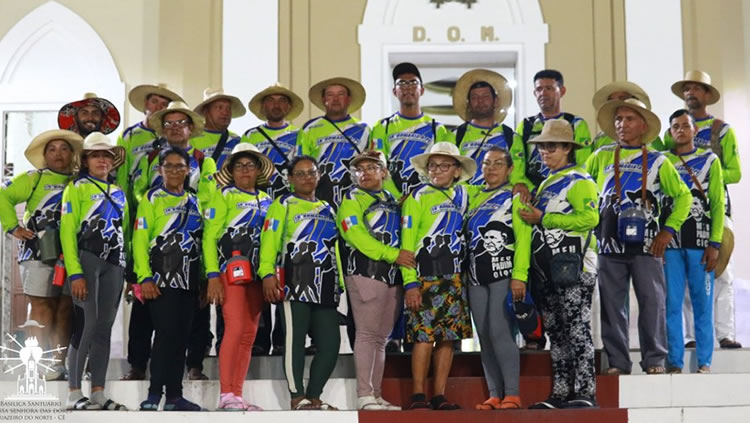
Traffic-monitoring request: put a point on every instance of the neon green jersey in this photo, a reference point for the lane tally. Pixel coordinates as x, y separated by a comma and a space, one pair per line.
601, 139
476, 140
95, 219
704, 225
370, 223
207, 142
300, 236
281, 154
167, 240
138, 141
662, 181
402, 138
234, 219
528, 167
432, 221
320, 139
41, 190
498, 240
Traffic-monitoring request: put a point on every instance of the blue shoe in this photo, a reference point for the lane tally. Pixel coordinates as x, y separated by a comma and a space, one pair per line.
181, 404
151, 403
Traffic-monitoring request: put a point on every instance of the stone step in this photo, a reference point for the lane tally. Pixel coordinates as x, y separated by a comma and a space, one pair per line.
685, 391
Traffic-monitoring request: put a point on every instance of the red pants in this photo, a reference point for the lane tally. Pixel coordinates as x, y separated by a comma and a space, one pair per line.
241, 311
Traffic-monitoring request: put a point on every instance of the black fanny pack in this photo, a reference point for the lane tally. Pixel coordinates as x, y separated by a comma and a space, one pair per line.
565, 268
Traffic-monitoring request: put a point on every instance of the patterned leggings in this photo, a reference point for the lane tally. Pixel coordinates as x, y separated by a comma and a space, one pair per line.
567, 319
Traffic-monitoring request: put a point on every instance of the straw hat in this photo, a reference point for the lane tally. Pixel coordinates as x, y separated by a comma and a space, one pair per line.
556, 130
602, 95
67, 114
701, 78
137, 95
35, 151
156, 120
468, 165
725, 251
356, 90
224, 176
256, 103
497, 81
606, 118
96, 141
212, 94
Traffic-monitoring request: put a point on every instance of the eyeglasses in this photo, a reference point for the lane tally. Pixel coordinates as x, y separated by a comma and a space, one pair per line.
302, 174
549, 147
496, 163
242, 166
402, 83
367, 169
444, 167
176, 123
174, 168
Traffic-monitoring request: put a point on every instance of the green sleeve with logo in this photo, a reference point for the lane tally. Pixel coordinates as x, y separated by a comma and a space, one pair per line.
354, 204
583, 196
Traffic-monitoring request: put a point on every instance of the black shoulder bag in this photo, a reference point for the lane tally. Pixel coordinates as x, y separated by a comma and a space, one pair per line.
565, 268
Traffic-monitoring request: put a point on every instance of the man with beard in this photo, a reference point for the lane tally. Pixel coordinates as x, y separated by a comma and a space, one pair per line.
336, 137
218, 109
277, 139
91, 114
406, 133
632, 241
528, 169
481, 98
715, 135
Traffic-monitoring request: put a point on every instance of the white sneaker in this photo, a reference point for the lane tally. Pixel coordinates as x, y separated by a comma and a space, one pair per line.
388, 406
369, 403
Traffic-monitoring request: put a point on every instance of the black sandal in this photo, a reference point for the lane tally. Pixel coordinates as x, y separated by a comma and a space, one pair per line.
439, 402
419, 402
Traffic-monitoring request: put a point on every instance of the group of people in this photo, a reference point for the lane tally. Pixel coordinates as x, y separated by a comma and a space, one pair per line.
482, 222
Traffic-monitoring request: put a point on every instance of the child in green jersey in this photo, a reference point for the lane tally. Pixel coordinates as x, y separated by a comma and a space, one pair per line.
432, 221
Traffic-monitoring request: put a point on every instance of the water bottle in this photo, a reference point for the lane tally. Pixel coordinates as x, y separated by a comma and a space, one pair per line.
239, 270
58, 277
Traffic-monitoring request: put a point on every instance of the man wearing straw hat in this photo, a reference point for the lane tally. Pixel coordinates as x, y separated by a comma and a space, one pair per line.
481, 99
336, 137
406, 133
633, 184
617, 90
528, 168
218, 109
277, 139
90, 114
715, 135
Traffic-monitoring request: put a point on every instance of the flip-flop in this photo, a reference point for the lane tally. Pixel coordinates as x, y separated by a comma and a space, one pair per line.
116, 406
492, 403
85, 404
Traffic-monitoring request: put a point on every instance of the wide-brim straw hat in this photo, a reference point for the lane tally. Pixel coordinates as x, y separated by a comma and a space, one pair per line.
212, 94
35, 151
155, 121
256, 103
497, 81
725, 251
701, 78
356, 91
601, 96
556, 130
468, 165
606, 118
266, 169
66, 117
96, 141
138, 94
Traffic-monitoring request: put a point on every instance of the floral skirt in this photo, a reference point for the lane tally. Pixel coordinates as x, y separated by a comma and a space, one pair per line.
444, 314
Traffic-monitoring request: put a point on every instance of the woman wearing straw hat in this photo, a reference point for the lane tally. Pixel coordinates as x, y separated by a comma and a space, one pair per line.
432, 228
499, 244
54, 154
93, 230
564, 216
234, 221
299, 235
369, 221
166, 253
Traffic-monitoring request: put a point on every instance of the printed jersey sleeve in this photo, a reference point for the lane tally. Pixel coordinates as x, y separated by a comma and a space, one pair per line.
731, 160
270, 239
583, 198
207, 184
142, 235
213, 228
410, 217
379, 140
518, 155
673, 186
70, 224
444, 135
583, 137
716, 200
124, 169
350, 223
522, 233
141, 180
592, 165
12, 193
